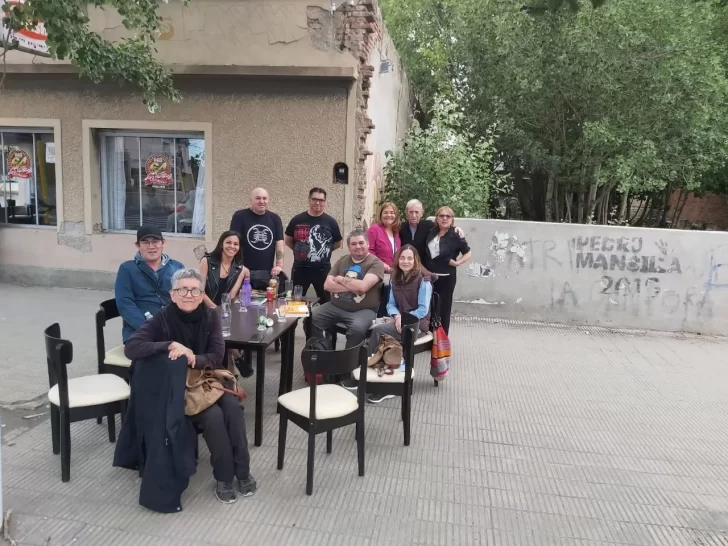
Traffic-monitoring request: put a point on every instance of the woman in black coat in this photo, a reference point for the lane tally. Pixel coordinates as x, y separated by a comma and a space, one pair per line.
189, 329
446, 251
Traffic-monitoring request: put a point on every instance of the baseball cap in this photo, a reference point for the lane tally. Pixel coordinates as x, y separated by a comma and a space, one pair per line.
148, 231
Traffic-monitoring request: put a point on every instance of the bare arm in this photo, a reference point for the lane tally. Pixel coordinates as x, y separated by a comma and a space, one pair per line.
465, 258
360, 286
288, 240
333, 286
235, 290
278, 264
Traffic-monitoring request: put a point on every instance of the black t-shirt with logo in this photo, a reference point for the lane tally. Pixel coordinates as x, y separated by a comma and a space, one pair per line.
260, 233
313, 239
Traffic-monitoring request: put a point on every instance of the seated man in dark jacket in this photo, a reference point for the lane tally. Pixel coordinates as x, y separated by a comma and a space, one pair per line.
187, 328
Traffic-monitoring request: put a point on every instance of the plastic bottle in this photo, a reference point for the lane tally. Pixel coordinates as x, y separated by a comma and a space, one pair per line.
245, 297
226, 320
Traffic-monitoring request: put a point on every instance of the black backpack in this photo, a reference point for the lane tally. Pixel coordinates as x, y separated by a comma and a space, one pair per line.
316, 343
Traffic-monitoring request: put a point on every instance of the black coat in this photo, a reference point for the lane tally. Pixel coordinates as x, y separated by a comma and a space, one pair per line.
156, 435
419, 241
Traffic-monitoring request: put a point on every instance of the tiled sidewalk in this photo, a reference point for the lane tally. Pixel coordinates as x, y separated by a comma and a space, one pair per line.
543, 435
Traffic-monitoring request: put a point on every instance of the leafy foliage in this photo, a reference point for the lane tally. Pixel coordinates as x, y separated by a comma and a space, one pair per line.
130, 61
443, 165
592, 105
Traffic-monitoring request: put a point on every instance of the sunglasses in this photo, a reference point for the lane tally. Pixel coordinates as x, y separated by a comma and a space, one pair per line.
446, 216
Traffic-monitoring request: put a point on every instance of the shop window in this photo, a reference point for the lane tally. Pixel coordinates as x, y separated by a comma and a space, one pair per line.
28, 177
153, 179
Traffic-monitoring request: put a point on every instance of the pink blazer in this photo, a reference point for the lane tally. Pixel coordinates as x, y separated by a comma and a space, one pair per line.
380, 245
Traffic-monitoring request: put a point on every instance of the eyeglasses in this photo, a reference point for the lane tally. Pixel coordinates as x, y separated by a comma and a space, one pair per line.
150, 242
446, 216
315, 200
182, 292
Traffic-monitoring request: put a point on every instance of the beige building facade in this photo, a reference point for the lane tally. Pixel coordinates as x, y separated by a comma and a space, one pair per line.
274, 95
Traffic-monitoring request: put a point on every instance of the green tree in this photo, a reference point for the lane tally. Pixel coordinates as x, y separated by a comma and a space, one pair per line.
594, 105
130, 61
443, 165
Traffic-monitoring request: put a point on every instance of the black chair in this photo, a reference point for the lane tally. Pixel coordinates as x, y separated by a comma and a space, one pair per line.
113, 360
398, 383
323, 408
78, 399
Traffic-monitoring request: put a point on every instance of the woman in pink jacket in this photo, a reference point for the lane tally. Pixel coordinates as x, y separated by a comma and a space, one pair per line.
384, 235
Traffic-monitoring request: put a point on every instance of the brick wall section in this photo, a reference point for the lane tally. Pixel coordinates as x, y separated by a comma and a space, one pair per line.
707, 212
360, 32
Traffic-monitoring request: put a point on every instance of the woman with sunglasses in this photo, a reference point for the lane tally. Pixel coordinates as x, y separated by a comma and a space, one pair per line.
446, 251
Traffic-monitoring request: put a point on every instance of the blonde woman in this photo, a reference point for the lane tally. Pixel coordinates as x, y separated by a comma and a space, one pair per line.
446, 251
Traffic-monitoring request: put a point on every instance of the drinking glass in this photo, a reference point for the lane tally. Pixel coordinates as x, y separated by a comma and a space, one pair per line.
298, 293
281, 309
289, 289
262, 316
225, 300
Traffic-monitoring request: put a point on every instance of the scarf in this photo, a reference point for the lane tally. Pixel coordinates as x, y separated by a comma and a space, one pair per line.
189, 329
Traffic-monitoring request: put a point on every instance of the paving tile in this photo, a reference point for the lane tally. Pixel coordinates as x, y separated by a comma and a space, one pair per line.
543, 435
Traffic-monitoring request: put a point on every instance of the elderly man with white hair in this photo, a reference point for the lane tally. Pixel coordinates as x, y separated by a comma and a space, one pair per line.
415, 231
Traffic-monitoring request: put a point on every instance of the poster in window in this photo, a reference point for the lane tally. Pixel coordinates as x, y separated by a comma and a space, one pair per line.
19, 164
159, 172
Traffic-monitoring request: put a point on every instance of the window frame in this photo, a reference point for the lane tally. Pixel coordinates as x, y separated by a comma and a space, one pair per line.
174, 135
49, 126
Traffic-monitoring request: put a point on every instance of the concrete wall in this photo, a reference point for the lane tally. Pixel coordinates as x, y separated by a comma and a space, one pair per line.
390, 110
610, 276
282, 135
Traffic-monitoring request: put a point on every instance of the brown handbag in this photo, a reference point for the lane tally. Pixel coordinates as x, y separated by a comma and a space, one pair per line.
205, 387
388, 356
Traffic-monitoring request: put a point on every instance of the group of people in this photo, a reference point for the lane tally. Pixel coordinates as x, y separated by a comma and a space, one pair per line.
167, 308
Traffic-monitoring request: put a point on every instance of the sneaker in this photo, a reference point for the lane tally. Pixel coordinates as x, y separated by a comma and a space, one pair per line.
248, 486
225, 492
245, 367
350, 384
376, 398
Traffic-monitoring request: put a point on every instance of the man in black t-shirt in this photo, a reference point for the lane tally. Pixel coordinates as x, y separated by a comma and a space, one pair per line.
313, 235
262, 238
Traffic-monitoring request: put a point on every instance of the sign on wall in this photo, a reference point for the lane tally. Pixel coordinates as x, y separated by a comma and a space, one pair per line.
19, 164
29, 41
159, 171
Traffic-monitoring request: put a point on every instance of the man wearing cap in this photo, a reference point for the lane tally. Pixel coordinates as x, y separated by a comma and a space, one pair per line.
143, 284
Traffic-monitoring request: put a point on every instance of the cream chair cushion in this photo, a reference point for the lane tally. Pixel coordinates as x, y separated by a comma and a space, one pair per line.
426, 338
115, 357
331, 401
373, 377
92, 390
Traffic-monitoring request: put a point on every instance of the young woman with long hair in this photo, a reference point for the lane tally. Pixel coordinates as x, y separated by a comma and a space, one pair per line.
411, 292
223, 269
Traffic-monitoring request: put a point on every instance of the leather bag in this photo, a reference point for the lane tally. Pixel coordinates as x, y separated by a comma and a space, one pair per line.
206, 387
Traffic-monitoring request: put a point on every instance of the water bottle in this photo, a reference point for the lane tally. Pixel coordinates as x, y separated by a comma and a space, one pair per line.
245, 298
226, 320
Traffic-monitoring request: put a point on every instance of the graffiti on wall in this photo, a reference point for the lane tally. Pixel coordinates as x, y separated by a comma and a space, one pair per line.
607, 275
505, 251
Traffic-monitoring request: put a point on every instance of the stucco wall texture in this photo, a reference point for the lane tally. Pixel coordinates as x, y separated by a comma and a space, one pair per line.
283, 135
